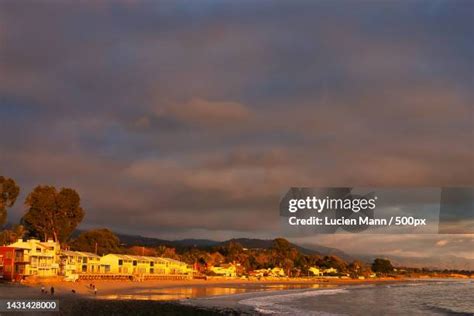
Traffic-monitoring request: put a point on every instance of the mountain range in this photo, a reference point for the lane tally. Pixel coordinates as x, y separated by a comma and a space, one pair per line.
435, 262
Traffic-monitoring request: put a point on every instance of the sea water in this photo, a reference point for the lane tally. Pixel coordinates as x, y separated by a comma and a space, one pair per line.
433, 297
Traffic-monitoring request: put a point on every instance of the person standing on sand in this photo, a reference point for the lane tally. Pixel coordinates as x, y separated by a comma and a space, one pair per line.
95, 290
42, 289
52, 291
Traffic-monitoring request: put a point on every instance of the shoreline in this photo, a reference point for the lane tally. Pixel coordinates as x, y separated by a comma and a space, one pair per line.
108, 287
123, 298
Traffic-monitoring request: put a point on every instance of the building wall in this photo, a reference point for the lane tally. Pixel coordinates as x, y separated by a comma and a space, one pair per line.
36, 258
7, 263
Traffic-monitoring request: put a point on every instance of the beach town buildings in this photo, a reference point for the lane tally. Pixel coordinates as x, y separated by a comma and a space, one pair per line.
315, 271
36, 258
226, 270
275, 272
143, 265
75, 262
329, 271
7, 263
33, 258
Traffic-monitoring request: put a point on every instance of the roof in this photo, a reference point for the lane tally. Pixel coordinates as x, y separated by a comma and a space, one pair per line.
79, 254
28, 244
144, 258
173, 260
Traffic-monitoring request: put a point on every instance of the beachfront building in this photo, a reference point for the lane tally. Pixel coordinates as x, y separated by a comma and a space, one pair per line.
277, 272
177, 267
315, 271
160, 265
7, 263
330, 271
227, 270
45, 259
36, 258
274, 272
77, 262
118, 264
142, 265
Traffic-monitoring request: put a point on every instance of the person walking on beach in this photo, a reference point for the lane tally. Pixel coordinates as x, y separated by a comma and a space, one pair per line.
52, 291
95, 290
43, 290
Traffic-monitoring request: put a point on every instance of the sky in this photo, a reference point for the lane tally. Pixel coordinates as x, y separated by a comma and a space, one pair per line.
189, 119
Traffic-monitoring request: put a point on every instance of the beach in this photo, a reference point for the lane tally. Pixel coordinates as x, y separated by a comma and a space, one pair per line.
189, 297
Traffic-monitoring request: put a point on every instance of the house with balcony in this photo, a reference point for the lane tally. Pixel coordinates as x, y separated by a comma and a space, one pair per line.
7, 263
126, 264
176, 267
142, 265
36, 258
78, 262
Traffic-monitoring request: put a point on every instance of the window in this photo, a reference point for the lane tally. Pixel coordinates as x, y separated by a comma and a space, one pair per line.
134, 262
120, 262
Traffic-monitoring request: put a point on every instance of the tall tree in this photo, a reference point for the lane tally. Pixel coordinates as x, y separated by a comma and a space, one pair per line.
383, 266
9, 191
9, 236
100, 241
52, 214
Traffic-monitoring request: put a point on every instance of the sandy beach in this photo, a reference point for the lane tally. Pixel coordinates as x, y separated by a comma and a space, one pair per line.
193, 297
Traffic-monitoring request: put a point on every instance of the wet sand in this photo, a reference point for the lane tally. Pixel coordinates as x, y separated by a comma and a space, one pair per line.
190, 297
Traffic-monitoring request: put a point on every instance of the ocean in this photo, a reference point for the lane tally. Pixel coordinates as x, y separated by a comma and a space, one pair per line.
420, 297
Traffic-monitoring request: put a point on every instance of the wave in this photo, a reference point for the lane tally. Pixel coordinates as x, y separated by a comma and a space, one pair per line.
274, 304
447, 310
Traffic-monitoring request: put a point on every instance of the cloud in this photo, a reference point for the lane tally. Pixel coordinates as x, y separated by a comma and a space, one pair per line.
175, 119
205, 112
196, 113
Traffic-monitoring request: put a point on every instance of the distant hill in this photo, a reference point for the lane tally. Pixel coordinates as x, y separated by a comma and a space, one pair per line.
434, 262
250, 243
267, 243
328, 251
131, 240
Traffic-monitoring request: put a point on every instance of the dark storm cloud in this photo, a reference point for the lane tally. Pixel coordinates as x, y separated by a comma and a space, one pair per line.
194, 117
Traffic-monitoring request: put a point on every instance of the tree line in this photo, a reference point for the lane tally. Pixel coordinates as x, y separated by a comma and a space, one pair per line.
53, 213
50, 213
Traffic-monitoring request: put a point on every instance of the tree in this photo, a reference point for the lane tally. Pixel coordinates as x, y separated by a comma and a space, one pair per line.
9, 191
52, 214
9, 236
382, 266
232, 251
102, 240
358, 268
334, 262
142, 251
